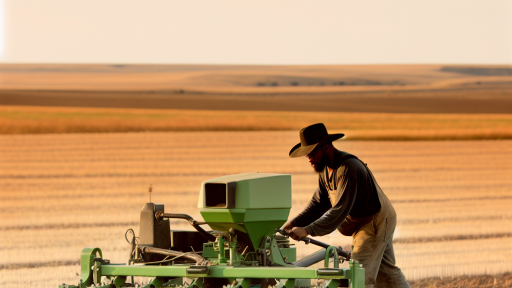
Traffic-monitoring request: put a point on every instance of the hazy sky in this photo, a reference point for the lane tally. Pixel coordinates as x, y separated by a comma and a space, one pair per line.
256, 32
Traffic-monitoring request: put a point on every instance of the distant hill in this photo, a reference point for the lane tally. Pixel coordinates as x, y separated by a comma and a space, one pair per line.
480, 71
347, 88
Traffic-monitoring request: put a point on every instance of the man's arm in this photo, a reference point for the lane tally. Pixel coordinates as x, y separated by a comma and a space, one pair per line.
317, 206
332, 219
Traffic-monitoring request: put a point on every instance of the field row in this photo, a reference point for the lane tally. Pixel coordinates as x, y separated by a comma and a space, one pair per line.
60, 193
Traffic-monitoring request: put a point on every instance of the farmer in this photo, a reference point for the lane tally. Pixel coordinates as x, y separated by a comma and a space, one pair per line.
349, 199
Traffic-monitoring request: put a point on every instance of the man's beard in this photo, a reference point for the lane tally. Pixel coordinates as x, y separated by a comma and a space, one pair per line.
319, 167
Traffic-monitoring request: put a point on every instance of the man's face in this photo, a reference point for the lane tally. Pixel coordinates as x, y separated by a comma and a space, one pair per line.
317, 160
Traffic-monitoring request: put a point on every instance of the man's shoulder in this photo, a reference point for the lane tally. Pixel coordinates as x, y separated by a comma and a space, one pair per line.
345, 158
349, 163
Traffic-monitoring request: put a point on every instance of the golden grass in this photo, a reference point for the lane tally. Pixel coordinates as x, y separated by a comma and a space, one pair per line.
60, 193
356, 126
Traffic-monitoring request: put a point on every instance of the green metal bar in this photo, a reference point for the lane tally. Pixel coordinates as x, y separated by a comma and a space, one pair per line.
120, 280
263, 272
290, 283
156, 283
197, 283
86, 262
356, 273
219, 271
144, 270
275, 254
222, 253
336, 259
335, 283
245, 283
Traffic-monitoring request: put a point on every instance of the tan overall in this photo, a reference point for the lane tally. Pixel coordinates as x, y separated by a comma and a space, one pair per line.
372, 246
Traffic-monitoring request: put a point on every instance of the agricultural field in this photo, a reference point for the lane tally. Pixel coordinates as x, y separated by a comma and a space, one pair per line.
357, 125
474, 89
62, 192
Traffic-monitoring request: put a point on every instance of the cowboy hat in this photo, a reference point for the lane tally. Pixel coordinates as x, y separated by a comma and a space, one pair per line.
312, 137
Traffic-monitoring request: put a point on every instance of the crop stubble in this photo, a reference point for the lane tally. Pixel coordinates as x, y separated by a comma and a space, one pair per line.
60, 193
358, 126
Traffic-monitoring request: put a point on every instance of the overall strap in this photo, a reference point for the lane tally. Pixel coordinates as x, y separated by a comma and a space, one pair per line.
350, 156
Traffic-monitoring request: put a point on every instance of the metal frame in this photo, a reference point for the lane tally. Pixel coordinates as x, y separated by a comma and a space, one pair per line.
92, 270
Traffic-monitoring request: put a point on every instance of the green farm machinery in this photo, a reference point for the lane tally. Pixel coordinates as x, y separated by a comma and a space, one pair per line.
245, 248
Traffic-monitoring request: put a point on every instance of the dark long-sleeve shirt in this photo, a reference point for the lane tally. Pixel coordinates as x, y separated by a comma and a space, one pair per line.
349, 191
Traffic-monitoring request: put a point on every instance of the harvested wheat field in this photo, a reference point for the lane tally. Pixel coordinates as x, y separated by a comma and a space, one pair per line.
357, 126
62, 192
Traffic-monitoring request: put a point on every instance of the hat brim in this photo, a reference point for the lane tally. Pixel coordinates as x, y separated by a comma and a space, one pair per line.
300, 151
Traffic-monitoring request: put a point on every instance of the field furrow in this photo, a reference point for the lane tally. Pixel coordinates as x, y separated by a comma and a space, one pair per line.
62, 192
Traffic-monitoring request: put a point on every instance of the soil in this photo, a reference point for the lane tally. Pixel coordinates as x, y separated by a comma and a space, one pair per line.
504, 280
476, 101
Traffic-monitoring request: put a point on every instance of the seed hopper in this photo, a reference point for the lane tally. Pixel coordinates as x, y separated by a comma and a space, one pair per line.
244, 249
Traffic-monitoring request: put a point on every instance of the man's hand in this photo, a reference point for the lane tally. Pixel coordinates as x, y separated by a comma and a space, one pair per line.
298, 233
288, 226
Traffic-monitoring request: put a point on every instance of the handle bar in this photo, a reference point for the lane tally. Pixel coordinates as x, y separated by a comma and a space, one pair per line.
308, 240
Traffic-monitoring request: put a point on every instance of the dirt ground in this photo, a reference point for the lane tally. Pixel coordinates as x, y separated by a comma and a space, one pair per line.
504, 280
62, 192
